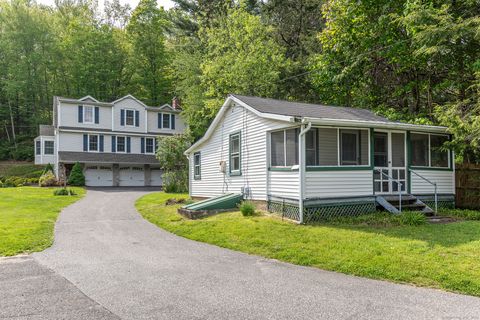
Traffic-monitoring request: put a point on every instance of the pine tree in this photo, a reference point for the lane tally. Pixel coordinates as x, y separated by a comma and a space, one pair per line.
76, 176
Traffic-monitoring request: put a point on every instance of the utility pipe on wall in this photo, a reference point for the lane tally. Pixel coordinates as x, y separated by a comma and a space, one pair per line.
301, 158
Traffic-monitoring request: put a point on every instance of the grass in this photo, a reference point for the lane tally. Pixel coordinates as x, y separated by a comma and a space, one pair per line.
27, 218
445, 256
20, 169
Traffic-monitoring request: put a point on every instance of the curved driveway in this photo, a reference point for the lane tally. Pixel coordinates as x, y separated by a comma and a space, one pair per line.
138, 271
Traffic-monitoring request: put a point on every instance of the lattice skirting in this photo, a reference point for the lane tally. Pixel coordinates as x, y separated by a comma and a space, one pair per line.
285, 209
315, 211
324, 212
444, 201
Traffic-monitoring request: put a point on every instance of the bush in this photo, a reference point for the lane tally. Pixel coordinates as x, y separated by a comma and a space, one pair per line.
76, 176
175, 181
12, 182
49, 167
247, 208
466, 214
64, 192
47, 180
412, 218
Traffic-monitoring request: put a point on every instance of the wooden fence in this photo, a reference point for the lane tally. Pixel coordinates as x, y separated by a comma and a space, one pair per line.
467, 182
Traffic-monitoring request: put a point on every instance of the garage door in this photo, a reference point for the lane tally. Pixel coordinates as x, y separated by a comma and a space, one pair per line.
98, 176
131, 176
156, 177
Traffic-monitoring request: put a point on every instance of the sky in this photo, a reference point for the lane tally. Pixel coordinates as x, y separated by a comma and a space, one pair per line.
166, 4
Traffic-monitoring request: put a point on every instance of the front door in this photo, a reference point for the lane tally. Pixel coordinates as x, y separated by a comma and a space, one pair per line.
390, 171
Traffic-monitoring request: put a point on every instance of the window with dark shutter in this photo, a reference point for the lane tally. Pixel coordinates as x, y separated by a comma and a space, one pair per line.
122, 117
85, 142
114, 144
97, 115
101, 142
80, 114
159, 121
172, 118
128, 145
142, 145
137, 118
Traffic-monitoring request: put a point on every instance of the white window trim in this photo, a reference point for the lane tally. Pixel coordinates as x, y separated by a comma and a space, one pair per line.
98, 142
235, 154
39, 142
199, 165
85, 112
44, 147
125, 118
153, 147
125, 144
169, 121
284, 147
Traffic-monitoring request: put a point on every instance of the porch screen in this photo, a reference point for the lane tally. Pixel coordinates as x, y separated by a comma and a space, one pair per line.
420, 154
439, 156
327, 147
353, 147
284, 148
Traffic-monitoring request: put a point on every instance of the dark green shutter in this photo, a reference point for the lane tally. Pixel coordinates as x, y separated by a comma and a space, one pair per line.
80, 114
97, 114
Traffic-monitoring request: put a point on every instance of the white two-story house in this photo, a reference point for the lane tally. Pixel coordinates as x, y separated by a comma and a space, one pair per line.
114, 141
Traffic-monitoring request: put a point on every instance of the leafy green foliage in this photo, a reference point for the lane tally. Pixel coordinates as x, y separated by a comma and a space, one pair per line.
247, 208
175, 181
47, 180
170, 152
48, 167
76, 178
64, 192
462, 213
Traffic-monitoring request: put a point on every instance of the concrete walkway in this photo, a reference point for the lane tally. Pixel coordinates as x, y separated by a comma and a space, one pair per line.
129, 268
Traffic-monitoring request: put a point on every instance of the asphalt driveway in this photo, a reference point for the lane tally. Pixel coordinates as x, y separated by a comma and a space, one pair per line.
123, 266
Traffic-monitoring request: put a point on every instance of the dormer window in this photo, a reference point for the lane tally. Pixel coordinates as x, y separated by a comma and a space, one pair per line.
88, 114
129, 117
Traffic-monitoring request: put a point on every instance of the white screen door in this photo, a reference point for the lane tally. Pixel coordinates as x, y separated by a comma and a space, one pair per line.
389, 162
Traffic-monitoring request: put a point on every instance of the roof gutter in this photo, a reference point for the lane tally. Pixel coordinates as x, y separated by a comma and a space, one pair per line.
374, 124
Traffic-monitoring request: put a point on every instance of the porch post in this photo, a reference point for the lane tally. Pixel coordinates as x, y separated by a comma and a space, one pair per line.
301, 171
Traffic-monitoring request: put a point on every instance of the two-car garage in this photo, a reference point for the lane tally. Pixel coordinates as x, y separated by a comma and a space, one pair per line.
127, 176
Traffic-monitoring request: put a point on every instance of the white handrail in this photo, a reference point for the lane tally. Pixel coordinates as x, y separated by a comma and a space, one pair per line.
399, 184
434, 184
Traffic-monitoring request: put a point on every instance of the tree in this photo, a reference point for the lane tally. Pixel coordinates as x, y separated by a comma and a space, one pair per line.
76, 177
146, 30
173, 162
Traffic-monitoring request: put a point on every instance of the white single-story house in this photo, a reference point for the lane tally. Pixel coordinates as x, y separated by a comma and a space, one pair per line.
309, 161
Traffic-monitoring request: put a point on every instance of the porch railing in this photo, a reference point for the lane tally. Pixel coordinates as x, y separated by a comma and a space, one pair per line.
399, 186
434, 184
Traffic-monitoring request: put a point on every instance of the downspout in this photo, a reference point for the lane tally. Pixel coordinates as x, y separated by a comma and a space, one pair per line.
301, 176
189, 176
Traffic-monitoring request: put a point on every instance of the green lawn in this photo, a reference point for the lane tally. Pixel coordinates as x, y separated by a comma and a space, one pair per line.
27, 218
441, 256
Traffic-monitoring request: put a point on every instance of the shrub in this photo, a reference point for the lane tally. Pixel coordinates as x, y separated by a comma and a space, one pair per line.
49, 167
175, 181
247, 208
47, 180
12, 182
412, 218
466, 214
64, 192
76, 176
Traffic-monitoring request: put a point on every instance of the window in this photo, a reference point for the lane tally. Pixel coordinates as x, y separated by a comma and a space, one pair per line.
38, 147
130, 117
284, 148
235, 159
120, 144
427, 150
196, 166
349, 148
92, 143
149, 145
420, 154
311, 147
48, 147
166, 121
439, 157
88, 114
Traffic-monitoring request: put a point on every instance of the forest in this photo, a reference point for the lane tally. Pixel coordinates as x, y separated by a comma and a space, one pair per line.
409, 60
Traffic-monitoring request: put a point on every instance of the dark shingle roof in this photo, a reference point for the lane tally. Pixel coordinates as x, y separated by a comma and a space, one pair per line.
104, 157
46, 130
300, 109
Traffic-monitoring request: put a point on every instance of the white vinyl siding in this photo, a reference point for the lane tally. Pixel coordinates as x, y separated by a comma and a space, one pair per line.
445, 180
254, 156
332, 184
284, 184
